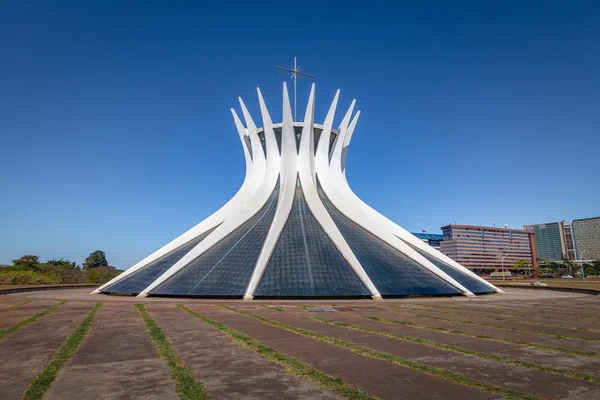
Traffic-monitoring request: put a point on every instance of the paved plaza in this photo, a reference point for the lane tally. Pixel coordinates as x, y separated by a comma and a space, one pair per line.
525, 344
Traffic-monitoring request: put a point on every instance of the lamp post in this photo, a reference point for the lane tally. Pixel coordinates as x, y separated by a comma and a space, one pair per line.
582, 267
503, 273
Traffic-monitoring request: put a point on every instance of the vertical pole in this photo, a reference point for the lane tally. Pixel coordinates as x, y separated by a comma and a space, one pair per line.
295, 89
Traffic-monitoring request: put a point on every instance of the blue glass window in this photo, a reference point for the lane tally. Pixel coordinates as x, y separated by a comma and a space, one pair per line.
305, 262
392, 273
225, 269
142, 278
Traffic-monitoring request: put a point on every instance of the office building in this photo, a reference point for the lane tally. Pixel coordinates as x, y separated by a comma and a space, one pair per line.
551, 240
432, 239
586, 237
486, 249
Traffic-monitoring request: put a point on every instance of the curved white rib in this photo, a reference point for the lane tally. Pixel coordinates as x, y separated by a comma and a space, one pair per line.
245, 209
289, 173
307, 171
337, 167
255, 167
330, 177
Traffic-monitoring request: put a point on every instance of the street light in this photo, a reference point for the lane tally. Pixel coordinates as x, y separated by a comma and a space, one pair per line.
503, 273
582, 267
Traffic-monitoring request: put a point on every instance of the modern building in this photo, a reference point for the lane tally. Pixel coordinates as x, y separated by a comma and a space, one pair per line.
551, 240
569, 243
432, 239
486, 248
295, 229
586, 236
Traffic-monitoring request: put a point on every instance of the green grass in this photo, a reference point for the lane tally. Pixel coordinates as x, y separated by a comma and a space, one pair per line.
527, 321
187, 387
462, 350
292, 365
555, 349
508, 328
404, 362
273, 308
40, 384
14, 306
29, 320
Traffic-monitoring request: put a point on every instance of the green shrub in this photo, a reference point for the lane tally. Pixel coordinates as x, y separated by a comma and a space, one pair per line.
25, 278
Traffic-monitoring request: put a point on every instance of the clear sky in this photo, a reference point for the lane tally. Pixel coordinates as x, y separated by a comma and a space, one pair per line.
116, 132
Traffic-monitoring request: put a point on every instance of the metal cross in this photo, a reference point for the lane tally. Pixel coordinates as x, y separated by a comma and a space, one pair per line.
294, 74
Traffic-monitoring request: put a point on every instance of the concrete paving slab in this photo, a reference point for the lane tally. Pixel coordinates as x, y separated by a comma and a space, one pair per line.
228, 370
546, 358
376, 377
116, 360
26, 353
575, 344
511, 377
12, 317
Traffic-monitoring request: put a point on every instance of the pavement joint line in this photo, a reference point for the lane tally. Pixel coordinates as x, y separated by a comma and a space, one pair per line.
273, 308
555, 349
462, 350
455, 312
507, 328
14, 306
186, 385
30, 319
41, 383
293, 365
451, 376
528, 308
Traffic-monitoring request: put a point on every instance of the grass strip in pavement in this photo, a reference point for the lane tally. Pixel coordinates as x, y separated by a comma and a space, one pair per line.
40, 384
404, 362
187, 387
507, 328
30, 320
555, 349
14, 306
461, 350
293, 365
273, 308
446, 311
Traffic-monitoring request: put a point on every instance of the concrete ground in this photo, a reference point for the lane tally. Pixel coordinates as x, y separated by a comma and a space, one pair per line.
523, 344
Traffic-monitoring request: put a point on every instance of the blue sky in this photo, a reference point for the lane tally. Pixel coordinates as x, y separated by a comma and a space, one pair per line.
116, 134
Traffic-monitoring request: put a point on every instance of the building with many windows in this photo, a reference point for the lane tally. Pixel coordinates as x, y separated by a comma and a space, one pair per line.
586, 235
486, 248
432, 239
569, 243
551, 240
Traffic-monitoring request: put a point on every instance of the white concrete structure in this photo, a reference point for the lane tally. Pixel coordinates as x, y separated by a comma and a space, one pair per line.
296, 229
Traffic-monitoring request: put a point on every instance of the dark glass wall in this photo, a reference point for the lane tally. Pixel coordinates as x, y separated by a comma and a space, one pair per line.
469, 282
143, 277
305, 262
392, 273
225, 269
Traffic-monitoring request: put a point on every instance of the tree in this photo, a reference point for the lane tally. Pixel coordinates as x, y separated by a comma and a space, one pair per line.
95, 260
27, 262
522, 264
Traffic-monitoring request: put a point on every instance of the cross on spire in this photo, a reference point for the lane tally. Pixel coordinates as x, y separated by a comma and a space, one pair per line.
295, 72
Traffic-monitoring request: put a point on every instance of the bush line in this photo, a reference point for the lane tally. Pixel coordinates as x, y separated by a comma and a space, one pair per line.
187, 387
487, 337
41, 383
292, 365
461, 350
404, 362
30, 320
